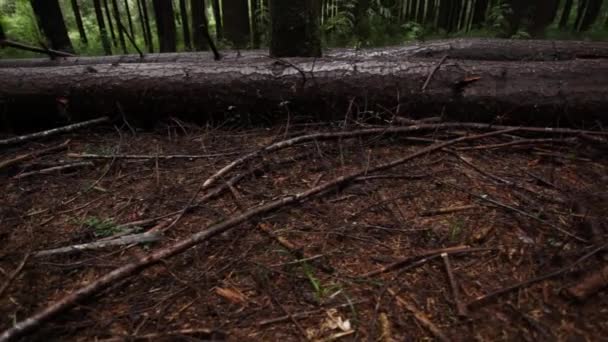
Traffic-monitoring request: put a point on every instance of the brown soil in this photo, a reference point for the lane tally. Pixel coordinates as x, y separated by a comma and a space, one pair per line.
236, 282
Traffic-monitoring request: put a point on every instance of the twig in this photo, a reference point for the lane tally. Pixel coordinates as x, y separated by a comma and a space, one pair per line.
53, 169
21, 46
302, 314
124, 30
428, 79
54, 131
515, 143
420, 317
26, 326
479, 170
20, 158
121, 241
14, 275
216, 54
448, 210
482, 299
148, 156
211, 334
461, 308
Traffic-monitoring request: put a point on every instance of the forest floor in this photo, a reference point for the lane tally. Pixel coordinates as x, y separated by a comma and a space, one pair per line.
366, 261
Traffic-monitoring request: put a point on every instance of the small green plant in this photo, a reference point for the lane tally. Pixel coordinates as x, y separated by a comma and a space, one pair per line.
321, 291
456, 229
413, 31
102, 227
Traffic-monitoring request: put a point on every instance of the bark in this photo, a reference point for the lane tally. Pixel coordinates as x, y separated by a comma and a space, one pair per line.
295, 28
468, 48
78, 17
165, 25
51, 23
236, 22
129, 19
479, 13
185, 28
199, 18
105, 41
146, 19
119, 26
110, 24
563, 22
219, 25
571, 91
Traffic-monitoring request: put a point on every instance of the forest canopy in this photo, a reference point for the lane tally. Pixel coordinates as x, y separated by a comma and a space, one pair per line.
98, 27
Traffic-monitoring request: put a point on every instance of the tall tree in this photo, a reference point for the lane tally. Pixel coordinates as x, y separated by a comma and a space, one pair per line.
109, 18
103, 34
119, 26
52, 25
2, 35
362, 24
443, 19
165, 25
430, 13
295, 28
146, 21
236, 22
199, 23
520, 10
255, 24
544, 12
563, 22
592, 12
78, 17
479, 13
185, 28
130, 20
219, 23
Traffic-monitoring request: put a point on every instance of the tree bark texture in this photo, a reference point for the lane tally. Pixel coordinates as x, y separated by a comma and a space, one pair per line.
165, 25
467, 48
295, 28
236, 21
256, 88
51, 23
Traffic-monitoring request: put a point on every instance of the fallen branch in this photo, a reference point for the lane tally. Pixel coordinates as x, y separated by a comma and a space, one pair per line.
121, 241
461, 308
448, 210
147, 156
25, 47
20, 158
590, 284
485, 298
53, 169
26, 326
54, 131
13, 275
205, 334
428, 79
420, 317
516, 143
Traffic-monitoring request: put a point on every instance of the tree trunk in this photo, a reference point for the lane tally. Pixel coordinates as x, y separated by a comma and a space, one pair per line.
52, 25
295, 28
443, 22
592, 12
119, 26
199, 18
520, 12
475, 90
146, 20
103, 34
2, 35
219, 25
563, 22
78, 17
130, 20
430, 13
479, 13
165, 25
544, 14
236, 22
110, 24
185, 27
580, 13
255, 27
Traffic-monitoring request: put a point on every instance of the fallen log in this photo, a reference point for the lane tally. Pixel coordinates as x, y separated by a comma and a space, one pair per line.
262, 89
485, 49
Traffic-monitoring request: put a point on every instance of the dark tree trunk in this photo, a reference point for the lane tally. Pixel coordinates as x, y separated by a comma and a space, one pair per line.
592, 12
142, 22
420, 14
520, 10
128, 10
219, 21
185, 27
165, 25
545, 12
577, 90
295, 28
430, 13
110, 24
563, 22
52, 25
2, 35
580, 12
78, 17
103, 33
199, 24
479, 13
443, 22
146, 19
255, 27
236, 22
455, 14
119, 26
362, 25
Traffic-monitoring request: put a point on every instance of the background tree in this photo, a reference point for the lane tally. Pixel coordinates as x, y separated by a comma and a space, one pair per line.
103, 34
236, 22
119, 26
199, 19
295, 28
78, 17
565, 17
165, 25
52, 25
146, 23
108, 14
183, 11
219, 25
129, 19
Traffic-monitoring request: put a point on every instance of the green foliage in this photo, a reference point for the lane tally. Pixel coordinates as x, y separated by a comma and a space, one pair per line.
413, 30
19, 24
102, 227
497, 20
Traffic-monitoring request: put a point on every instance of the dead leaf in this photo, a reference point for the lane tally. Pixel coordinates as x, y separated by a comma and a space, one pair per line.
233, 295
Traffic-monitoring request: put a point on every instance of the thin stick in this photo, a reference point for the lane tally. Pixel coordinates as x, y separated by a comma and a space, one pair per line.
216, 54
428, 79
53, 169
21, 46
54, 131
461, 308
121, 241
14, 275
26, 326
147, 156
20, 158
511, 288
515, 143
420, 317
448, 210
